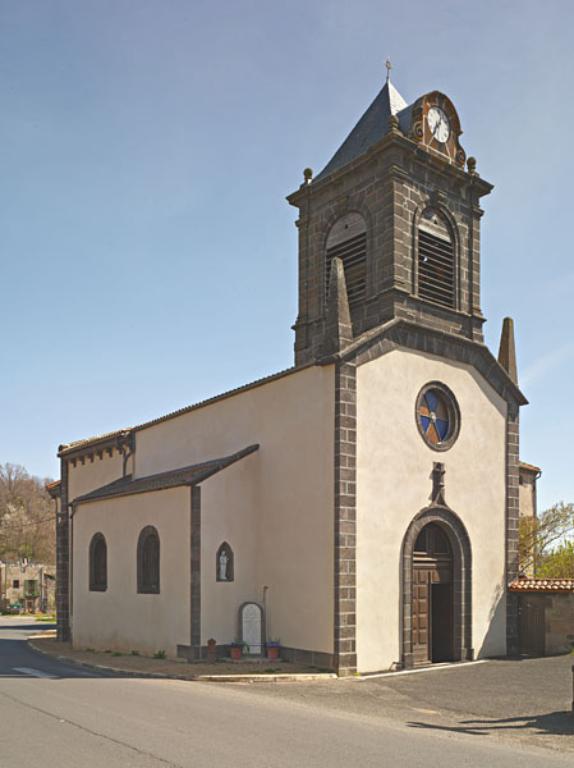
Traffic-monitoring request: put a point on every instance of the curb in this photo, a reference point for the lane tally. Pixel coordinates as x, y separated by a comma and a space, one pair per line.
263, 678
286, 677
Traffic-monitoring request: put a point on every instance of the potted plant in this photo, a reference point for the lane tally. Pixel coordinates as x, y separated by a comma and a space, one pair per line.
236, 650
273, 647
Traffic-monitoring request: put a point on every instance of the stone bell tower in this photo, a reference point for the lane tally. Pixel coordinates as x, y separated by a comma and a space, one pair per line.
390, 229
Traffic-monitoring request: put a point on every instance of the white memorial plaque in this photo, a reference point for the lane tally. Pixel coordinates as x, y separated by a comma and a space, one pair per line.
251, 627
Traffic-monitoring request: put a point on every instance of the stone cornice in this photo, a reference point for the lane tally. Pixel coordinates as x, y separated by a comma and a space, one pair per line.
392, 140
399, 333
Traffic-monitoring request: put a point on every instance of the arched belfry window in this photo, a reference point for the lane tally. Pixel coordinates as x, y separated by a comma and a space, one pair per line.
347, 239
436, 263
148, 561
224, 563
98, 563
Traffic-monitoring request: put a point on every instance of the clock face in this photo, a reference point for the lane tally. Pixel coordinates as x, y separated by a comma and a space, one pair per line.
438, 124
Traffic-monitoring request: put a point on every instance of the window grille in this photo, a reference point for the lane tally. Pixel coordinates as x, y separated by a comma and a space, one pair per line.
98, 563
436, 267
148, 561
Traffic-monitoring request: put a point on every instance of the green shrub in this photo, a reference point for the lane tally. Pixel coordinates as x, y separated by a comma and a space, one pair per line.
159, 655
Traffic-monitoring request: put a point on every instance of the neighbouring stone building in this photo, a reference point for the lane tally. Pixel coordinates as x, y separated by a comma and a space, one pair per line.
27, 587
361, 506
528, 477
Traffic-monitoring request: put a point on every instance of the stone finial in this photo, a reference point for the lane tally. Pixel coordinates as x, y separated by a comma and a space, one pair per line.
507, 349
308, 175
471, 165
338, 326
394, 124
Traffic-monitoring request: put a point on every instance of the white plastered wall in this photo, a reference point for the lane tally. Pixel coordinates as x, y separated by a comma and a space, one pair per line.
229, 513
120, 618
274, 507
90, 473
394, 468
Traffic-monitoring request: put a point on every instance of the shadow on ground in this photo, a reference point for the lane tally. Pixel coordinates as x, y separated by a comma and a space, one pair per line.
551, 723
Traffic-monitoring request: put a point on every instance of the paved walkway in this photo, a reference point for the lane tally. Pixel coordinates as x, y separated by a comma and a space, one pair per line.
61, 716
524, 703
529, 700
261, 669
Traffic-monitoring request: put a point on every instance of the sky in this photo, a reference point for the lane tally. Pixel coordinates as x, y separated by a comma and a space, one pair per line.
147, 253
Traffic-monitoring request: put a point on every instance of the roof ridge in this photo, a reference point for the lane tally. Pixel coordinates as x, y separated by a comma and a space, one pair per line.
369, 129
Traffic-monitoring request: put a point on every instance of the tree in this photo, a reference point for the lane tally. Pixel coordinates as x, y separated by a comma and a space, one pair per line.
27, 519
540, 539
558, 564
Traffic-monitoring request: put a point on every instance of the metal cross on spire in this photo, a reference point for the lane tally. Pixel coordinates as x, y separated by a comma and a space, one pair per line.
389, 66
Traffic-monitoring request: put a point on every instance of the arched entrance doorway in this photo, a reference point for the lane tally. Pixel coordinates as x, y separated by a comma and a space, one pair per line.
436, 607
432, 597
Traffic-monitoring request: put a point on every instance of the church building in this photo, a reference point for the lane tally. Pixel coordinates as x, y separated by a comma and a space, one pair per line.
360, 507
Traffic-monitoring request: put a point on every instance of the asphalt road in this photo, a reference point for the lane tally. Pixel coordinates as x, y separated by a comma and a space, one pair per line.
60, 716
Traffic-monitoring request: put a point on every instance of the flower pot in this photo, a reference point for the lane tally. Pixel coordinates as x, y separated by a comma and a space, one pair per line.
273, 652
235, 651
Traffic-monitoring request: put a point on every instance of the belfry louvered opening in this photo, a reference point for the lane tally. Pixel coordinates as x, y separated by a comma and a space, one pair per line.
348, 240
436, 262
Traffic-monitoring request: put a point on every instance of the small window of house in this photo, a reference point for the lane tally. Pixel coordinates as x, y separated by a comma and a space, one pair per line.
224, 563
148, 561
98, 563
16, 584
436, 267
347, 240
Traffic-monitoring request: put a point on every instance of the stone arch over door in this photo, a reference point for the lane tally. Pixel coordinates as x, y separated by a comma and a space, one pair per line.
459, 542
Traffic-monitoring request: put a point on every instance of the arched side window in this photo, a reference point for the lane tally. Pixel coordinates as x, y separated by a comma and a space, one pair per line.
224, 563
347, 239
148, 561
436, 262
98, 563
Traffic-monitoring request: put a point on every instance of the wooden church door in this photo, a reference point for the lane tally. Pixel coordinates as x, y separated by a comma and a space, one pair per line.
432, 620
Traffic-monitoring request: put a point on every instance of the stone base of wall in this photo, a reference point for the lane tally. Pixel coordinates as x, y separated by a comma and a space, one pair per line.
317, 659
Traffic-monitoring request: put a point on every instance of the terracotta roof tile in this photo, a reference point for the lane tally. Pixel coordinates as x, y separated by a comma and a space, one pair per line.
542, 585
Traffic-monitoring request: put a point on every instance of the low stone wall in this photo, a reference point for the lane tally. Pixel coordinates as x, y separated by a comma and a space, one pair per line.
559, 623
546, 623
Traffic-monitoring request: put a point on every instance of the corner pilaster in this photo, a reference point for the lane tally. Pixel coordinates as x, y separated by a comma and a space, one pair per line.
63, 559
195, 574
512, 514
345, 518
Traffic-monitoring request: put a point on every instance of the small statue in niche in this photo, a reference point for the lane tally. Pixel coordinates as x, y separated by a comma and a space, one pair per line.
224, 564
223, 560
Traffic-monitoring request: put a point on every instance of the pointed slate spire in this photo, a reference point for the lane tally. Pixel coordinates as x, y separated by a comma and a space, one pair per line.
507, 350
372, 126
338, 326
